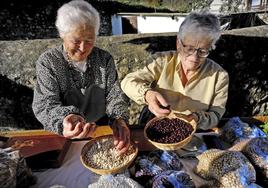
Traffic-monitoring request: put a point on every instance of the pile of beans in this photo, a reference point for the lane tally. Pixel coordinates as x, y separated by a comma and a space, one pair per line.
169, 130
226, 168
103, 155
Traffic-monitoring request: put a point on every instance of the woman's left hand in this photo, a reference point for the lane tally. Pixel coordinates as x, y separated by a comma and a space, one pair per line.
121, 135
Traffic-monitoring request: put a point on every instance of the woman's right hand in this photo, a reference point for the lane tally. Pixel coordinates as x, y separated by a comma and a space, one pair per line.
155, 100
75, 126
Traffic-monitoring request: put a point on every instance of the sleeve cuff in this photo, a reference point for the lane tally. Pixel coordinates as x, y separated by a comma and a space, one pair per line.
111, 121
198, 117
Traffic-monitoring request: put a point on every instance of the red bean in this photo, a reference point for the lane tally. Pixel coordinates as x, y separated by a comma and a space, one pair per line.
169, 130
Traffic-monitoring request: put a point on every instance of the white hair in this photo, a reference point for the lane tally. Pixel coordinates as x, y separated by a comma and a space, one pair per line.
76, 13
201, 24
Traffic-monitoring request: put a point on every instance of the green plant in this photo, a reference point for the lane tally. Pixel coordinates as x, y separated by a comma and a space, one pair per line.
265, 128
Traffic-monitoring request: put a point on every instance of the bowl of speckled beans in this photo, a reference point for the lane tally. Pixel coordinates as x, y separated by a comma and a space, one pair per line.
169, 133
100, 156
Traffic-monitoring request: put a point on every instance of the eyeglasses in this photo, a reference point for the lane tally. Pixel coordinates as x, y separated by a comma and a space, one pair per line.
189, 50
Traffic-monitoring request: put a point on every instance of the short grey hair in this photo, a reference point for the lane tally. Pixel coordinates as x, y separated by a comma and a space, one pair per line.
75, 13
201, 23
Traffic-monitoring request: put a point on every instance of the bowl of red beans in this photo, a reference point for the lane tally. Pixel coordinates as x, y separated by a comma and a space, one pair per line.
167, 133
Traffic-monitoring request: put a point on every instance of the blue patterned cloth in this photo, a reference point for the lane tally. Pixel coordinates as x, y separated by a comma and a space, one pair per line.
171, 178
257, 152
235, 130
163, 168
157, 162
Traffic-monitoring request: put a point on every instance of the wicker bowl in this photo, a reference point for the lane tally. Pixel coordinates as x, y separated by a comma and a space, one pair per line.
171, 146
83, 157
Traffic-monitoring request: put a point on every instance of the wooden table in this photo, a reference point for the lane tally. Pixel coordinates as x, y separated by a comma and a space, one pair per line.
137, 135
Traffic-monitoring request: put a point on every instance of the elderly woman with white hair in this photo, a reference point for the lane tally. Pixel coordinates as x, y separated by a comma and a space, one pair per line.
77, 83
184, 81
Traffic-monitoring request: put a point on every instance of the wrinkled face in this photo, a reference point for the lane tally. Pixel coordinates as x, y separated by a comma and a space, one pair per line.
193, 51
79, 42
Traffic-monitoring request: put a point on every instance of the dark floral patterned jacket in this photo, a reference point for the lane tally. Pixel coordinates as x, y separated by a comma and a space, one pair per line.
56, 76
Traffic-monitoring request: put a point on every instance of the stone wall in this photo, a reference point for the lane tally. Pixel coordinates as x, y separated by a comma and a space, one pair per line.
31, 19
243, 53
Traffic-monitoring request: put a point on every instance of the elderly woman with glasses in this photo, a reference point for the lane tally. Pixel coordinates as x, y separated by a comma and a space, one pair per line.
184, 81
77, 83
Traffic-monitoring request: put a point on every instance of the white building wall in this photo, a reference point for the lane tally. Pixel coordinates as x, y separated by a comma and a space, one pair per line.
157, 24
255, 2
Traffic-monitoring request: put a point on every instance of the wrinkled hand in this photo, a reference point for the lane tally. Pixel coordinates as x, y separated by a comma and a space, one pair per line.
75, 126
155, 100
121, 135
